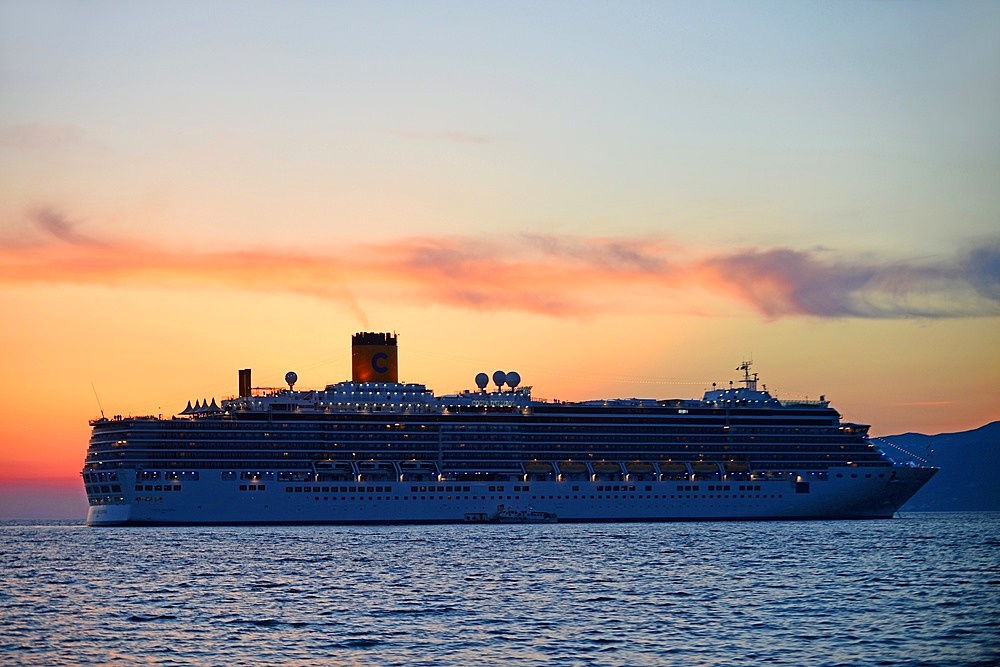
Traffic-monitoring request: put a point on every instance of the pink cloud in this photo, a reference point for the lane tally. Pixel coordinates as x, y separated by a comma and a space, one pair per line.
542, 274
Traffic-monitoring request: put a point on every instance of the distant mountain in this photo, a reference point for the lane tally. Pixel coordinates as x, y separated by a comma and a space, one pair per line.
969, 479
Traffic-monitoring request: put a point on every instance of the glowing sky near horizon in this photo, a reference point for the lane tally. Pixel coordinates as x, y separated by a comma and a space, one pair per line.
611, 198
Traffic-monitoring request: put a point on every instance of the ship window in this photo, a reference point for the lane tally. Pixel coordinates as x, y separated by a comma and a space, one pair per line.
288, 489
260, 487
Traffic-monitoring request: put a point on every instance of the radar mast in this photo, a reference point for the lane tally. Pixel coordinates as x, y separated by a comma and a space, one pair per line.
750, 380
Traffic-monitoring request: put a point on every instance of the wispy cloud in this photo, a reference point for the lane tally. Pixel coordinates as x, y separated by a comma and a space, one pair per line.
39, 135
543, 274
56, 224
924, 404
453, 136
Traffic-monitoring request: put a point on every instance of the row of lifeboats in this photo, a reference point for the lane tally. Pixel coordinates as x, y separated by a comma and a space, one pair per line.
376, 471
413, 471
666, 469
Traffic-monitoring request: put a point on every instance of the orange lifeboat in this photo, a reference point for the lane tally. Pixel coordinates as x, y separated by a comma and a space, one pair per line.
537, 467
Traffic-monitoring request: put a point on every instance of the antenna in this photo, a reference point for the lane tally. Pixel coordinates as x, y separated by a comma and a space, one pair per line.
750, 380
100, 407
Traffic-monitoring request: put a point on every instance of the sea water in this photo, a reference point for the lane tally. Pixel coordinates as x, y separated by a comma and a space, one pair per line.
917, 590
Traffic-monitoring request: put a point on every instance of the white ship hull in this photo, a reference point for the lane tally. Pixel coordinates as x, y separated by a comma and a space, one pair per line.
374, 450
863, 493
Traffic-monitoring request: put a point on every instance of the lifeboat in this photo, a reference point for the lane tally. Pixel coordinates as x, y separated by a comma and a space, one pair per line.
673, 468
607, 466
537, 467
414, 471
376, 470
572, 466
704, 468
639, 467
737, 466
330, 464
335, 471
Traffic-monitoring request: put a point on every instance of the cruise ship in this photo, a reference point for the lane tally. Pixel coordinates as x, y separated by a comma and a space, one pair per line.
375, 450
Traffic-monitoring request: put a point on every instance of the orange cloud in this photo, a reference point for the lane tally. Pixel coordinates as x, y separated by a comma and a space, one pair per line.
555, 275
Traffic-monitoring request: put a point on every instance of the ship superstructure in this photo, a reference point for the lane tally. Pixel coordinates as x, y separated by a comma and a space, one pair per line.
375, 450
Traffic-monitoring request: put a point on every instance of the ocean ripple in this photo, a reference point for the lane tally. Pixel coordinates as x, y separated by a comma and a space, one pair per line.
917, 591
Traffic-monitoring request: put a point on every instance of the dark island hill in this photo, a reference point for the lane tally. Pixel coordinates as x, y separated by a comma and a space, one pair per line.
969, 480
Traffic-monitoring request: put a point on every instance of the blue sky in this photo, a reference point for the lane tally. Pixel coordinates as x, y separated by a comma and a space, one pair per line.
800, 123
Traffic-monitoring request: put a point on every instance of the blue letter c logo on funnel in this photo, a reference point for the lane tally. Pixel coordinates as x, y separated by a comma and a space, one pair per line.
378, 362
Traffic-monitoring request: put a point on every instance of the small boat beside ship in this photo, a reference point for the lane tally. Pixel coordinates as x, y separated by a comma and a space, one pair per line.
510, 515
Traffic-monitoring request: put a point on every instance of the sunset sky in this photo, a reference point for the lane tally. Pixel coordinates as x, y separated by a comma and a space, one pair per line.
613, 199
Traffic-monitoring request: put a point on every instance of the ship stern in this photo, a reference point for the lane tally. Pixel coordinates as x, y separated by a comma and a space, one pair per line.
108, 515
